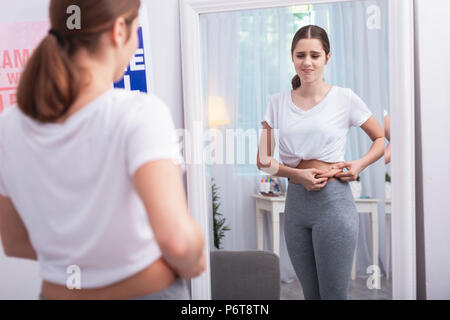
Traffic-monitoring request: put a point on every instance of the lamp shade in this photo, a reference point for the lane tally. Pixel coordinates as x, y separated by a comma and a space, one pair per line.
217, 112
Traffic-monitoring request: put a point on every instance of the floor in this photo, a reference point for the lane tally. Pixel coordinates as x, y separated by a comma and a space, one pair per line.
358, 290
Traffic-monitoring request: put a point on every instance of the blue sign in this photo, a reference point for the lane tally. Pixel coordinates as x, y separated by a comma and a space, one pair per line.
135, 77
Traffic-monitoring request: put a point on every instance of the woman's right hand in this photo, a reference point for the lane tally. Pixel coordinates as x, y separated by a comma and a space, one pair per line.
307, 178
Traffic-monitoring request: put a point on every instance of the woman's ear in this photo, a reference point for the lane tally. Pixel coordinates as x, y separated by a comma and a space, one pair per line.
328, 58
119, 32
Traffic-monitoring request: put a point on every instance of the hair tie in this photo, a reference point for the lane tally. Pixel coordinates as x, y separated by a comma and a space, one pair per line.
57, 35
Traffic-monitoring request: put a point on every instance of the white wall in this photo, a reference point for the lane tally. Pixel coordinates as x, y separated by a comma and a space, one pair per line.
19, 279
166, 52
434, 52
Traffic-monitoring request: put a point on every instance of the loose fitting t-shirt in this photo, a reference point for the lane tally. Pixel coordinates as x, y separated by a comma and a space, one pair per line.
319, 133
72, 184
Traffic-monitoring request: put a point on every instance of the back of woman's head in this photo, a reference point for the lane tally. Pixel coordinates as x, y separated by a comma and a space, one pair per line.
309, 32
51, 81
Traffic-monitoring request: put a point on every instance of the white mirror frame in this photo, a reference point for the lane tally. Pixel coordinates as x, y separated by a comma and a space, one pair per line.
401, 77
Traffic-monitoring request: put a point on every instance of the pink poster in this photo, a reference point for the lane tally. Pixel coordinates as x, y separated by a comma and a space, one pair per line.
17, 42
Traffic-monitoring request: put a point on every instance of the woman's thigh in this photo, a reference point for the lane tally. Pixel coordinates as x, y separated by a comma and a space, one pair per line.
335, 234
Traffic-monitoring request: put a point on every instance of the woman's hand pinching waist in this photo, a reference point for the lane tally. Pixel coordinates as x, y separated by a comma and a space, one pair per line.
329, 174
309, 178
344, 171
352, 170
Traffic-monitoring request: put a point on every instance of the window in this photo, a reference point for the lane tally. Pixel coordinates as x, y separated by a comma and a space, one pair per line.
265, 68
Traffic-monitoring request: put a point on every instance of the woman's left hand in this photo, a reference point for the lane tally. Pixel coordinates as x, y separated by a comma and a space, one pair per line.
353, 169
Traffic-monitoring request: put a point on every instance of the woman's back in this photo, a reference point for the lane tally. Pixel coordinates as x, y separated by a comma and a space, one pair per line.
80, 206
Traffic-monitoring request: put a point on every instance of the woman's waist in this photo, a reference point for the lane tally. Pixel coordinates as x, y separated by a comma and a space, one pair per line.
326, 167
295, 160
156, 277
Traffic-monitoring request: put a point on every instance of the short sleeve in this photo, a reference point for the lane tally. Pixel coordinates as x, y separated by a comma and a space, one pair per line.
151, 135
359, 111
269, 115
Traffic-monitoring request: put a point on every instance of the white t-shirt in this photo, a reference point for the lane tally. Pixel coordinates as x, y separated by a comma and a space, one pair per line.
72, 184
319, 133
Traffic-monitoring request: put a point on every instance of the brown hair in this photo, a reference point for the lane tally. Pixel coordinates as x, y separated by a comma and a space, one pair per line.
50, 82
309, 32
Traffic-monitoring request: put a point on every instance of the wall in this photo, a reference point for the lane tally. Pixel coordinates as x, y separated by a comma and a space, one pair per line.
19, 279
166, 52
434, 69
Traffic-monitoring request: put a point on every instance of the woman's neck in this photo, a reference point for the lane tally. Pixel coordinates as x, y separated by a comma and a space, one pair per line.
86, 96
96, 80
314, 89
98, 71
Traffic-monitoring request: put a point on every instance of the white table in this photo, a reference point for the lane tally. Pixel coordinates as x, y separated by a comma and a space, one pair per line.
275, 206
369, 206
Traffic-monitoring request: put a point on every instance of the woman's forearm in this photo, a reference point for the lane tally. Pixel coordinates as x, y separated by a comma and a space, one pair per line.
22, 251
14, 235
375, 152
274, 168
387, 154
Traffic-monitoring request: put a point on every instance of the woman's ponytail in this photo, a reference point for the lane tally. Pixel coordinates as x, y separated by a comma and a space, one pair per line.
49, 84
51, 81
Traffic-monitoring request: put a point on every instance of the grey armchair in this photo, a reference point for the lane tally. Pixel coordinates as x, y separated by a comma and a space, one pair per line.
245, 275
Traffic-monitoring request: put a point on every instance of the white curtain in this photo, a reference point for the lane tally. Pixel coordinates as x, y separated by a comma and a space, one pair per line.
246, 59
257, 65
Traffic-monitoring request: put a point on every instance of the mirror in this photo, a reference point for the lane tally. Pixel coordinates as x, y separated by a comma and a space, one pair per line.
246, 59
387, 33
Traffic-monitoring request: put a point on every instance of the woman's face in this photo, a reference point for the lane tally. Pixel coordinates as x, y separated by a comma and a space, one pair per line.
309, 60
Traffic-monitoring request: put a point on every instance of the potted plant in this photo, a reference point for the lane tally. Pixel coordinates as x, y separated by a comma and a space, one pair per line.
219, 220
387, 185
356, 187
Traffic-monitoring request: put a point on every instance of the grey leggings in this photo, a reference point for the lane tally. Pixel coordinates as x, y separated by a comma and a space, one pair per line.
321, 229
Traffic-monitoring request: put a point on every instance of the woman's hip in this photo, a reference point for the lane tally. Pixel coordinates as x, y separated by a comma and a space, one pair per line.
333, 190
334, 199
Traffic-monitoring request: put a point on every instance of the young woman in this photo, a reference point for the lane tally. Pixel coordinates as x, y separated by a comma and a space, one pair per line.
90, 178
312, 122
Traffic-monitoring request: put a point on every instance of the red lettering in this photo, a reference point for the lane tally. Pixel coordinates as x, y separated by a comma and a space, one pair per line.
21, 60
12, 99
13, 78
7, 60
